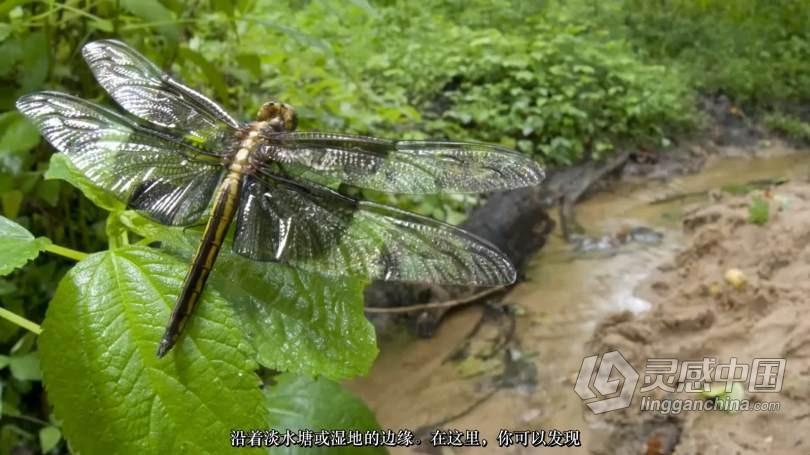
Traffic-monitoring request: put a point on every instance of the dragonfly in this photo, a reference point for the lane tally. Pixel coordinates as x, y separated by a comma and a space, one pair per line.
179, 158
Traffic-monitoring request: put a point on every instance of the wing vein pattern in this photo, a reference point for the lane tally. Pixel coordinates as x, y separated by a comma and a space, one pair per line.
168, 180
318, 229
409, 167
144, 90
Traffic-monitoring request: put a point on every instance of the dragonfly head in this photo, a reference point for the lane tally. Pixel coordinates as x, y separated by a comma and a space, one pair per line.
279, 116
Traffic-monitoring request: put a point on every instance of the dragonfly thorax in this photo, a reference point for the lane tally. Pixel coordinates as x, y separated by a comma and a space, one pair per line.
279, 116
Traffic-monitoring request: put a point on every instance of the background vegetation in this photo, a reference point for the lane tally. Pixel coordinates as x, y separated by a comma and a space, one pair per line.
564, 81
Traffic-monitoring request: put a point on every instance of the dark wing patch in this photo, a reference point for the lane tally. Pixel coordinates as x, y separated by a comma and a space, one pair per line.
320, 230
415, 167
167, 180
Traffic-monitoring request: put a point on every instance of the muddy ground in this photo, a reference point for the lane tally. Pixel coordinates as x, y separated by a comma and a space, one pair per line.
738, 290
512, 363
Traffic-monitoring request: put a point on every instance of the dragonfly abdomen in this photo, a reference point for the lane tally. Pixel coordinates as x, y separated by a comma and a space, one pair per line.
215, 230
225, 203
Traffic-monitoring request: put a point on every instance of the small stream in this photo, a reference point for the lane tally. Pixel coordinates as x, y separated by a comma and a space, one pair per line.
489, 371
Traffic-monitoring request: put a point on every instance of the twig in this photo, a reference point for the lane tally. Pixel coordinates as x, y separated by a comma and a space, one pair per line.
434, 305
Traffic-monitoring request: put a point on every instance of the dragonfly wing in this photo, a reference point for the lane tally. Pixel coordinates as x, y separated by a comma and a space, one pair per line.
317, 229
169, 181
416, 167
143, 89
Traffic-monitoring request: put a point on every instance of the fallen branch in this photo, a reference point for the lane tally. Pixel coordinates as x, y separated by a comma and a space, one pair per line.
436, 305
569, 198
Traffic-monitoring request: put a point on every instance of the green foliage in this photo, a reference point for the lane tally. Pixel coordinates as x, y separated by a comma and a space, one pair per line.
324, 405
110, 373
297, 321
49, 437
550, 90
17, 246
62, 169
564, 81
186, 405
544, 85
756, 51
18, 138
758, 211
794, 128
301, 322
25, 367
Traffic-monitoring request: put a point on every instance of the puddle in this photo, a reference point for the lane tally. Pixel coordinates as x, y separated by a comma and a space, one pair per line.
528, 385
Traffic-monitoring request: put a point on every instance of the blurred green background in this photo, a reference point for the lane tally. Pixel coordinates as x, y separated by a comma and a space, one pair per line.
563, 81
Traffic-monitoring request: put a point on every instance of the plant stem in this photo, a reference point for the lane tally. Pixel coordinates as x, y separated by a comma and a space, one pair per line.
20, 321
29, 419
65, 252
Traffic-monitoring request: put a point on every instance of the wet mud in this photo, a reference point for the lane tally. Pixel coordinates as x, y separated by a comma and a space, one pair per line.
513, 364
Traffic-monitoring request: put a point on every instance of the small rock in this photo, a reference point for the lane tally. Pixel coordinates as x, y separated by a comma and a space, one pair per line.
736, 278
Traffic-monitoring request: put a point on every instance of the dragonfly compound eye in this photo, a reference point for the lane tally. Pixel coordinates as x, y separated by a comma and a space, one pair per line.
279, 116
289, 116
268, 111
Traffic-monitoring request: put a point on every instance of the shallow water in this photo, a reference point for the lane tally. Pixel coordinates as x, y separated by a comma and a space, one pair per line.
497, 378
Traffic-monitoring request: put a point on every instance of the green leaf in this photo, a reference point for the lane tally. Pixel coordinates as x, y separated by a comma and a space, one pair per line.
366, 7
298, 402
103, 25
98, 348
18, 133
25, 367
34, 61
7, 287
5, 31
251, 63
11, 201
49, 437
48, 191
61, 168
758, 211
299, 322
152, 11
17, 137
718, 392
4, 361
211, 72
24, 345
117, 234
17, 246
224, 6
